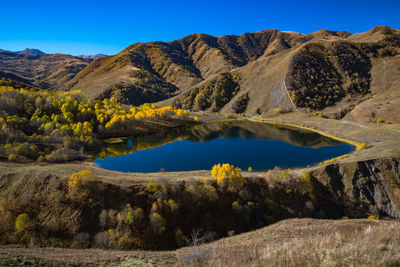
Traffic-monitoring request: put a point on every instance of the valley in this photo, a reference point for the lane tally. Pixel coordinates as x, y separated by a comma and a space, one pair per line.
58, 113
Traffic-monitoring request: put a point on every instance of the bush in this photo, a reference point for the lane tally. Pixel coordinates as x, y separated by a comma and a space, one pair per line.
12, 157
41, 158
227, 175
237, 207
81, 240
158, 222
361, 146
241, 103
129, 215
22, 221
78, 179
137, 214
65, 154
101, 240
208, 192
152, 186
173, 205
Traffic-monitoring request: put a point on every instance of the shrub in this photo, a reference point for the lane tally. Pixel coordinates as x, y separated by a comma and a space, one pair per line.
283, 175
158, 222
208, 192
101, 240
251, 204
129, 215
241, 103
237, 207
22, 221
81, 240
137, 214
41, 158
306, 186
12, 157
65, 154
173, 205
227, 175
80, 178
152, 186
361, 146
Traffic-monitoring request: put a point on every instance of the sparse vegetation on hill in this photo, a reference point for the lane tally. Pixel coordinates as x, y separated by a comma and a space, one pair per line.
214, 94
321, 75
241, 104
149, 88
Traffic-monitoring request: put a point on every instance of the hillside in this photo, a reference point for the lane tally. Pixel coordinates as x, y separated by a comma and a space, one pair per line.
293, 242
328, 73
46, 71
333, 74
177, 66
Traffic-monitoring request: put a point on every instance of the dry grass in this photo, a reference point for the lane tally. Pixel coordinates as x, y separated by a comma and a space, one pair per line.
306, 242
294, 242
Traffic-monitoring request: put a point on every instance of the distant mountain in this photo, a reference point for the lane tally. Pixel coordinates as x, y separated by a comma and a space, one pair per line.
30, 51
46, 71
92, 57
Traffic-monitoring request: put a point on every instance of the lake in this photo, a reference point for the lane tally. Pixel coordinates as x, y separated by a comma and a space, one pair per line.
241, 143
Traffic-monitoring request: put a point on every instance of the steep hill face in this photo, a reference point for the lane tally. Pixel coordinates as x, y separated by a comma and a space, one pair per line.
178, 65
332, 74
328, 73
47, 71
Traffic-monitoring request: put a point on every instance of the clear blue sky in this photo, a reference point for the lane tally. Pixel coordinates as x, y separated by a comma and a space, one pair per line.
90, 27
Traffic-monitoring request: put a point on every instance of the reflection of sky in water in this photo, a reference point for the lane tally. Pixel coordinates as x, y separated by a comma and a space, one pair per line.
250, 149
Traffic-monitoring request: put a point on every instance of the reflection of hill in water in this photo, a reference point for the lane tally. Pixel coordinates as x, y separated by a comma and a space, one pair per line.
210, 131
248, 129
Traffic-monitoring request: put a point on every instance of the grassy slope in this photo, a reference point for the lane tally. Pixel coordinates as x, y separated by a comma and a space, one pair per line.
385, 102
260, 59
185, 62
294, 242
44, 71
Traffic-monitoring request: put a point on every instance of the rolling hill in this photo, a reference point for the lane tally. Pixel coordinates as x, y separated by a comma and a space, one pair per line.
46, 71
331, 74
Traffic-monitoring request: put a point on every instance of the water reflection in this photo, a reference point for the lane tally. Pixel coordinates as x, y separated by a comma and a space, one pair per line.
242, 143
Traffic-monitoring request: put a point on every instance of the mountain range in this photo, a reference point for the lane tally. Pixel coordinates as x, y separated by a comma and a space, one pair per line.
333, 74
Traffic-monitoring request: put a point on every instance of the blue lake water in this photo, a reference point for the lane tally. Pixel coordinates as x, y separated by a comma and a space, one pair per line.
243, 144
